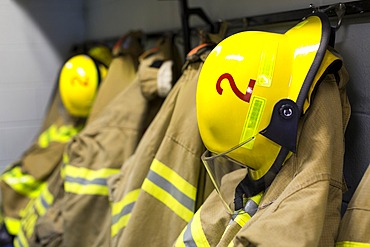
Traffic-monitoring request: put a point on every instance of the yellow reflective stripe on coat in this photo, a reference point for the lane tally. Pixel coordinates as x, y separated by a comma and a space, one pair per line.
28, 221
121, 211
20, 240
55, 134
12, 225
179, 241
351, 244
35, 208
193, 234
43, 202
171, 189
65, 163
83, 181
241, 217
24, 184
257, 198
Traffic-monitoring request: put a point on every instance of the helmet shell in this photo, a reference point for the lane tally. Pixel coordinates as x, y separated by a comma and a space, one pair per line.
243, 79
78, 83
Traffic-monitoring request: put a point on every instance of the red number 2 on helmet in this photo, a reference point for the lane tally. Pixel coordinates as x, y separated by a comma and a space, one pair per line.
78, 80
245, 97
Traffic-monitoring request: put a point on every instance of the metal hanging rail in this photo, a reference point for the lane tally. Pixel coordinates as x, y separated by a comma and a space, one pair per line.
354, 7
186, 12
351, 8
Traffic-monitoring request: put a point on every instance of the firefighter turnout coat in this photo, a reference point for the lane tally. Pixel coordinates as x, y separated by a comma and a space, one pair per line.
302, 205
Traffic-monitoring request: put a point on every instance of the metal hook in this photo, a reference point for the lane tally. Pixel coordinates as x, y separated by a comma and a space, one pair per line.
245, 23
314, 8
340, 10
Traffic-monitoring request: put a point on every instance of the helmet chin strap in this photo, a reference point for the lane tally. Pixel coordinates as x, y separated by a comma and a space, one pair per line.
249, 187
238, 199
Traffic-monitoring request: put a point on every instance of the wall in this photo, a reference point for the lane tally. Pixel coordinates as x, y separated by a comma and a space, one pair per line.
353, 44
113, 18
35, 37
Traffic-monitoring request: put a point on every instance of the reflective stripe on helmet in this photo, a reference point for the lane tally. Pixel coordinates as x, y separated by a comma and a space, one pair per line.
252, 121
267, 64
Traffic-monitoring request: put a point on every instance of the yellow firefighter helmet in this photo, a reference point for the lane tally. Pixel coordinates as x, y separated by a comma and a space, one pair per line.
78, 83
253, 88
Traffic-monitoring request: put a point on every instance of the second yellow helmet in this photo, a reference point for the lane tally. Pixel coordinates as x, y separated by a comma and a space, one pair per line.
78, 83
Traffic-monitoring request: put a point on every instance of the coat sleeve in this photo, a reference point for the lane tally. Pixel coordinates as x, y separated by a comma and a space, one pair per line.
355, 225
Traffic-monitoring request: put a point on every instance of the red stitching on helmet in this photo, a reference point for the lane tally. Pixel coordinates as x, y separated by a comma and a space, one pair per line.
245, 97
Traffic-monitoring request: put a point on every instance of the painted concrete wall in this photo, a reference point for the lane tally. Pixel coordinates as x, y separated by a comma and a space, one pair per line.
35, 37
113, 18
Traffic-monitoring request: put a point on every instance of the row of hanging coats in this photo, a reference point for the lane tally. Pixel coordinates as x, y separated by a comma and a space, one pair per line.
131, 172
